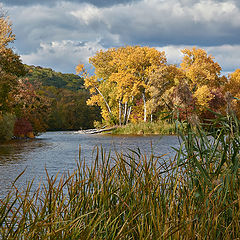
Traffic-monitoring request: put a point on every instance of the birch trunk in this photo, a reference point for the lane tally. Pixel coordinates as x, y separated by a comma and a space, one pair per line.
109, 109
125, 113
145, 107
128, 115
120, 112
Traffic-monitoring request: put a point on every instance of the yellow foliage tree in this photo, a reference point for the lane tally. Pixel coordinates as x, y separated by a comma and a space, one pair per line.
134, 65
203, 96
233, 88
6, 35
200, 68
121, 77
203, 77
162, 83
99, 87
11, 66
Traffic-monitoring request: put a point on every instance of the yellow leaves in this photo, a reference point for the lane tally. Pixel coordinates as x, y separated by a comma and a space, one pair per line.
200, 68
233, 84
91, 82
94, 100
80, 69
162, 80
121, 74
233, 88
203, 96
6, 35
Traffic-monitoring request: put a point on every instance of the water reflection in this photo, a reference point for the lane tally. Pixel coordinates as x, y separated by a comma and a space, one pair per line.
15, 151
59, 151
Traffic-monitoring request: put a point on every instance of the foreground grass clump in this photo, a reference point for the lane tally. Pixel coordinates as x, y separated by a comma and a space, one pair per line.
132, 196
160, 127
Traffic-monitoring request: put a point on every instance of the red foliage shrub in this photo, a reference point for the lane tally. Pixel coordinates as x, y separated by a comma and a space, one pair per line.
22, 127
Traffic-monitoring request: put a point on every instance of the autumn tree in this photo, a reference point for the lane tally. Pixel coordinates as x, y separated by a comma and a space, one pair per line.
232, 89
30, 105
11, 68
98, 87
121, 79
203, 78
135, 64
162, 87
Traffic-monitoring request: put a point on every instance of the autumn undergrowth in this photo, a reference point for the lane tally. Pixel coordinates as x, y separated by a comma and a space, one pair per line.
143, 128
133, 196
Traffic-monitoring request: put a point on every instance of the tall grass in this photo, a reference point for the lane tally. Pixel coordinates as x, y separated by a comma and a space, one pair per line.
132, 196
160, 127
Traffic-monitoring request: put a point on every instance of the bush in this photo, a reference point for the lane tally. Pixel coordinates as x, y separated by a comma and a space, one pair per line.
7, 122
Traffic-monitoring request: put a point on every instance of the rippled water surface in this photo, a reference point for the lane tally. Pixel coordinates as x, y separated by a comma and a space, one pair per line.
59, 151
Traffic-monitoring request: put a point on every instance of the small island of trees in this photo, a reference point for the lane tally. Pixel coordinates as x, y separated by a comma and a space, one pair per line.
136, 84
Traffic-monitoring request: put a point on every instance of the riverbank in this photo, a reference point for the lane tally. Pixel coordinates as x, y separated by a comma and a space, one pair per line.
146, 128
140, 128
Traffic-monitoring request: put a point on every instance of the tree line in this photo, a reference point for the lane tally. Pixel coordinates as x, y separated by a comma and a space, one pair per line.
134, 83
35, 99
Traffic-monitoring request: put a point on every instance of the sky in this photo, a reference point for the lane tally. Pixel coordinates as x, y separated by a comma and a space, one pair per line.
61, 34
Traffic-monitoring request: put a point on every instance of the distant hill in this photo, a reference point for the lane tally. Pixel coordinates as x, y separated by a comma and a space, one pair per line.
66, 96
49, 77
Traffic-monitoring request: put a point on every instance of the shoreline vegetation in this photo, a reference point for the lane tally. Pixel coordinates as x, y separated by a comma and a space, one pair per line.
141, 128
148, 128
128, 195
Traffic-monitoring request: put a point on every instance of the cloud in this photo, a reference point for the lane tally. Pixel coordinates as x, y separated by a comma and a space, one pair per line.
37, 24
99, 3
63, 56
205, 22
226, 55
210, 24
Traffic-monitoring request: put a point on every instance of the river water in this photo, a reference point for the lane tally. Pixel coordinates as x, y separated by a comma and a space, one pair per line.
59, 151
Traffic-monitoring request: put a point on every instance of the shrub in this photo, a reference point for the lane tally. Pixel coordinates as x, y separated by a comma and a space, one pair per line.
7, 121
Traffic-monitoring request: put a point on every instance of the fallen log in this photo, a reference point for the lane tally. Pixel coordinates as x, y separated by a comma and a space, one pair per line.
95, 131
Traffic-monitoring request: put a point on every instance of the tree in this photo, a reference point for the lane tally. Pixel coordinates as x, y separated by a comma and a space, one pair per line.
11, 68
30, 106
121, 79
6, 35
200, 68
135, 64
232, 89
204, 80
68, 109
162, 85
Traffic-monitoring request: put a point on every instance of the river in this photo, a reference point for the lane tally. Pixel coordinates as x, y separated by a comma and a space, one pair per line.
59, 151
